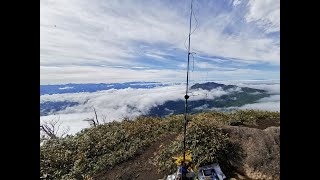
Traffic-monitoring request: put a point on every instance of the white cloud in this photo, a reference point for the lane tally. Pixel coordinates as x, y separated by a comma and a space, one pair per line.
80, 74
86, 33
265, 106
66, 87
116, 104
141, 99
236, 2
205, 65
73, 122
154, 56
265, 13
271, 103
273, 98
272, 88
99, 31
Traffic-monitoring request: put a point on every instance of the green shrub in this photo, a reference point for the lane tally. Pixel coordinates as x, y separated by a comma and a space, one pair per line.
205, 140
95, 149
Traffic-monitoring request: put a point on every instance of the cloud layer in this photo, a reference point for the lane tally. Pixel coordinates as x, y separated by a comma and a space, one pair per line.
116, 104
118, 41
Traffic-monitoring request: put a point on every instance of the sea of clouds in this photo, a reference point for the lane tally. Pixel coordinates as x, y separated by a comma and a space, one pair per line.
115, 104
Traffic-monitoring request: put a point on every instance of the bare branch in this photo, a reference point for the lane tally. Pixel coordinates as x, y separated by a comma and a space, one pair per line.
96, 115
48, 131
51, 129
65, 131
104, 118
91, 122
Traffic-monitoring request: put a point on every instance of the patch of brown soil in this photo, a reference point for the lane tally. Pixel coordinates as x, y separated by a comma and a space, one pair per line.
261, 124
265, 123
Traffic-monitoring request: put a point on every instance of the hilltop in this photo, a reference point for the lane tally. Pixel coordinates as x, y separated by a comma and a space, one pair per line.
243, 142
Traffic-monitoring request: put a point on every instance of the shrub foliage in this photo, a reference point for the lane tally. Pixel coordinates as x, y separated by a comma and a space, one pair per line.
104, 146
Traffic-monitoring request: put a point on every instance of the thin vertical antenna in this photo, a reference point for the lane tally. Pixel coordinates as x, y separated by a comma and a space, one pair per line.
186, 96
206, 81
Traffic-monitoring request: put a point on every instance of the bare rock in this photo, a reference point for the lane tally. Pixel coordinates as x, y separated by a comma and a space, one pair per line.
261, 151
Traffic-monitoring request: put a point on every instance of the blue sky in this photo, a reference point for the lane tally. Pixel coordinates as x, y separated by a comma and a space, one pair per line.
98, 41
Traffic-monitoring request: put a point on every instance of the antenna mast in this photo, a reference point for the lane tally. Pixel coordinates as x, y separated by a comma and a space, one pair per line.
187, 88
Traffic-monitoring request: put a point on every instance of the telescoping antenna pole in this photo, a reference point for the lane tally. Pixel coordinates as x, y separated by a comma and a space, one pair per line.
186, 96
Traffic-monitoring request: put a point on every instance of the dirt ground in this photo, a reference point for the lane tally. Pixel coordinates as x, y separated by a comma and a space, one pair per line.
139, 167
263, 124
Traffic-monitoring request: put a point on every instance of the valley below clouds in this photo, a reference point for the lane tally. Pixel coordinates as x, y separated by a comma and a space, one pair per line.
115, 104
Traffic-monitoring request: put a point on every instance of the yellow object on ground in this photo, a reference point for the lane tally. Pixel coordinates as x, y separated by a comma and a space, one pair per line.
188, 158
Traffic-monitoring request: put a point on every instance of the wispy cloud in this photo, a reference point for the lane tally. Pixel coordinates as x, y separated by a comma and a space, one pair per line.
98, 74
265, 14
80, 36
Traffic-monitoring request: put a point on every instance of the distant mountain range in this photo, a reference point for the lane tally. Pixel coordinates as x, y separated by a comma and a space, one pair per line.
76, 88
50, 107
212, 85
236, 97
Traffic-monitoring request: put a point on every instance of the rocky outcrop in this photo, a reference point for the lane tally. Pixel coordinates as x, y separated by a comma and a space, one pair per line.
260, 149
